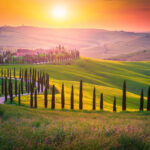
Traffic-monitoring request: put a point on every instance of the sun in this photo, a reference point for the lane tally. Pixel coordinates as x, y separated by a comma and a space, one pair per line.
59, 12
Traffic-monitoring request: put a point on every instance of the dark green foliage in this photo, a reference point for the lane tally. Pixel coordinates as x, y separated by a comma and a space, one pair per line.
114, 105
16, 88
72, 98
19, 98
31, 96
62, 97
148, 100
94, 99
53, 98
81, 96
11, 92
14, 73
45, 97
6, 89
2, 86
124, 97
101, 101
142, 100
35, 99
22, 85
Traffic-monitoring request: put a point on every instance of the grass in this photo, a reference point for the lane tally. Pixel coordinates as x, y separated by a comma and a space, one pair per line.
24, 128
106, 76
42, 129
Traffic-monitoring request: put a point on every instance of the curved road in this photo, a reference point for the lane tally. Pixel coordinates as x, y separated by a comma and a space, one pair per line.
2, 99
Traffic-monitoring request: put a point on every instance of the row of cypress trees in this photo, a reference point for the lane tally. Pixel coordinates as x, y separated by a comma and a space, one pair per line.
42, 79
28, 81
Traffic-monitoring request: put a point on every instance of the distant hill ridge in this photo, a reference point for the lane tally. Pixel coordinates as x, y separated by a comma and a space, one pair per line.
95, 43
143, 55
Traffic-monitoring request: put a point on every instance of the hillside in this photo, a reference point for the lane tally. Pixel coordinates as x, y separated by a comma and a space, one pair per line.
106, 76
136, 56
93, 43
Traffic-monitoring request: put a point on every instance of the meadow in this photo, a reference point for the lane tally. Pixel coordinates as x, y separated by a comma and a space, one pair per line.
106, 76
39, 129
24, 128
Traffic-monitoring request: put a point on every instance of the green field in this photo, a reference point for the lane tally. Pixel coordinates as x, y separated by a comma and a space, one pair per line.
106, 76
39, 129
44, 129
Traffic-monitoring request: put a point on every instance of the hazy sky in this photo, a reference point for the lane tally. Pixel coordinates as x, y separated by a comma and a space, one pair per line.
131, 15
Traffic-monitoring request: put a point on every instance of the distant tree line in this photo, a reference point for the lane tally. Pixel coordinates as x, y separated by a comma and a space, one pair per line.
52, 56
34, 82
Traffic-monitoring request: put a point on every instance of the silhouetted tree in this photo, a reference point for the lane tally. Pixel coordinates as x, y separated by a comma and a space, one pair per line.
53, 98
148, 100
45, 97
142, 100
124, 97
114, 105
6, 89
19, 98
14, 72
11, 93
101, 101
2, 86
94, 99
62, 97
72, 98
31, 96
16, 88
81, 96
21, 85
35, 98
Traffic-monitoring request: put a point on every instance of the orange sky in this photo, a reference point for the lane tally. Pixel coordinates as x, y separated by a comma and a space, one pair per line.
131, 15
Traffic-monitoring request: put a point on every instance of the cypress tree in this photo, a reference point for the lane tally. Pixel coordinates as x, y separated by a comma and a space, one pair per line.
94, 99
53, 98
81, 96
35, 98
148, 100
2, 86
101, 101
72, 98
16, 87
31, 96
114, 105
45, 97
28, 87
6, 89
19, 98
38, 83
11, 93
14, 72
124, 97
20, 73
21, 85
142, 100
62, 97
9, 86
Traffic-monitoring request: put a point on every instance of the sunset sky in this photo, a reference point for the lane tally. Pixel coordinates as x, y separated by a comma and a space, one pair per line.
130, 15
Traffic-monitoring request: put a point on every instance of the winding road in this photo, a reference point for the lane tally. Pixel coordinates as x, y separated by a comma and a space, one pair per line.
2, 99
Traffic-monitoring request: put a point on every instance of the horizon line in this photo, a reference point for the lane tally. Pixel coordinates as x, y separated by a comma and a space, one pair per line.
121, 30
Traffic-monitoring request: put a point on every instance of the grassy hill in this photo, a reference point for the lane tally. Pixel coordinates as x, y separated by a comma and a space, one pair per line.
40, 129
136, 56
106, 76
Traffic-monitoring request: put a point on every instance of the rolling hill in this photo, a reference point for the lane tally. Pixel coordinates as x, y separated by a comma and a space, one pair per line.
106, 76
135, 56
94, 43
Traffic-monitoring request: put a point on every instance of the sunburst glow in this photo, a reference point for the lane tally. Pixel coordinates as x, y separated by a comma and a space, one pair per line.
59, 12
